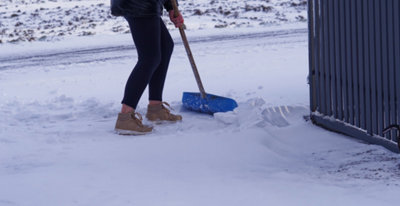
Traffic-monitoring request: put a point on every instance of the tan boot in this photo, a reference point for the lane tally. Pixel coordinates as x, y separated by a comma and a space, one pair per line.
131, 124
160, 113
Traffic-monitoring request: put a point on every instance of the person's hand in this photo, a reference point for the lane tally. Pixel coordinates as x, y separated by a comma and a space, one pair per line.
178, 21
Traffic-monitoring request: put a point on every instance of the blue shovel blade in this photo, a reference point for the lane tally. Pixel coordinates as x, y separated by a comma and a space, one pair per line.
210, 105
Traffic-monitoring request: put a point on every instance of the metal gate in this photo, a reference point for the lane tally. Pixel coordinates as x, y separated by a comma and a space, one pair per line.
354, 48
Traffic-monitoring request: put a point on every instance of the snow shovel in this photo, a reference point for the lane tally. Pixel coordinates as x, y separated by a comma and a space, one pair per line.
201, 102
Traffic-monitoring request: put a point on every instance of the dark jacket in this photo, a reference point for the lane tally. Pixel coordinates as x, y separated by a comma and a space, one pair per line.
139, 8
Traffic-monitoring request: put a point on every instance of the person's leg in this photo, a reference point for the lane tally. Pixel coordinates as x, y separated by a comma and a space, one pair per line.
146, 35
157, 110
156, 84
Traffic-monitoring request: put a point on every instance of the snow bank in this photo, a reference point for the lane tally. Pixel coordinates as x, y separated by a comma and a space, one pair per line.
49, 20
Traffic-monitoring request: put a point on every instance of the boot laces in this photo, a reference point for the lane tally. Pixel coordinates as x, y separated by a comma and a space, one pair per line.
166, 104
167, 108
137, 117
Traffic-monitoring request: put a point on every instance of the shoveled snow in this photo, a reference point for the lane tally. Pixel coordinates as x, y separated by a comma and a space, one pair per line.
59, 104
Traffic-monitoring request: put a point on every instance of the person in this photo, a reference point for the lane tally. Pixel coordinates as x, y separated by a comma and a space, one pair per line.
154, 46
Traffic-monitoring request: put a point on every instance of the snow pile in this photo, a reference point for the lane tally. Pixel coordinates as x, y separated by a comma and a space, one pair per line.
255, 112
47, 20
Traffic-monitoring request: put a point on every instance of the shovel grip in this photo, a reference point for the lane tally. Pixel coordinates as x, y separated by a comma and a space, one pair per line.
189, 52
175, 7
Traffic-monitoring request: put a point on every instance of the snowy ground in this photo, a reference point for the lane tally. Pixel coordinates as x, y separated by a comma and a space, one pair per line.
59, 104
49, 20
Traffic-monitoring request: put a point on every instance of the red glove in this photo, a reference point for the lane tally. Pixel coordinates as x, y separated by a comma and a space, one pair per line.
178, 21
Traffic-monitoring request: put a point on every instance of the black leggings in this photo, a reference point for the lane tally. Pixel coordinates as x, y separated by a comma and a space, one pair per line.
154, 46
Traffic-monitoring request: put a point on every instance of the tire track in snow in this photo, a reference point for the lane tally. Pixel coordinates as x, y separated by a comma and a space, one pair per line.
102, 54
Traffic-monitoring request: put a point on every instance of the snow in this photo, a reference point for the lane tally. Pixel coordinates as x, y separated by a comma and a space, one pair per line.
60, 99
52, 20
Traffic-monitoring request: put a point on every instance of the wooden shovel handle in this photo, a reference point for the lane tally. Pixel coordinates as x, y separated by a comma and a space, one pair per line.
189, 52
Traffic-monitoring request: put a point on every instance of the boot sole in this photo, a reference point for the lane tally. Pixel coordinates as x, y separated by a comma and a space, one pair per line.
166, 122
129, 132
